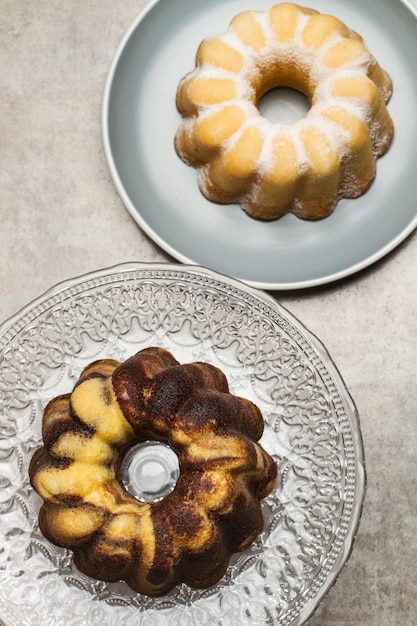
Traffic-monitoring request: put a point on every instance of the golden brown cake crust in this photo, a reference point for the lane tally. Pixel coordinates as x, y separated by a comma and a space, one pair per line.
272, 169
214, 509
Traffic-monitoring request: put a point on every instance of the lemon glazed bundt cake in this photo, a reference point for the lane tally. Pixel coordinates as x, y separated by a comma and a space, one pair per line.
214, 509
272, 169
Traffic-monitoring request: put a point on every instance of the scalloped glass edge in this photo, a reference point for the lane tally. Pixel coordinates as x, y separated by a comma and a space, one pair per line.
15, 324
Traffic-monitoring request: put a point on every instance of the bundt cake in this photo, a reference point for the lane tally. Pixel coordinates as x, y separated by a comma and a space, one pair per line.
214, 508
272, 169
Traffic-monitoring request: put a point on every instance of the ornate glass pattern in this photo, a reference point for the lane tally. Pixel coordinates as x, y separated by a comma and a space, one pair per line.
311, 430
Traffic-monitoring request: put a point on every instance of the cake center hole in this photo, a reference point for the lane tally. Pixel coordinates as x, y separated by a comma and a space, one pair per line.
150, 471
283, 105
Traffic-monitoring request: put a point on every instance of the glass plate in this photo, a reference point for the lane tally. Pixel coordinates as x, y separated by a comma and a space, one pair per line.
312, 431
161, 193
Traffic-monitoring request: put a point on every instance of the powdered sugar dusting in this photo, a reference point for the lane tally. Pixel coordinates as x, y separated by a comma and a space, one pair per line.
281, 62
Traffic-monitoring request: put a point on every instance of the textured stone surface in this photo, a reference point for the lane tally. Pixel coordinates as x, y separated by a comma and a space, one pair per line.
61, 216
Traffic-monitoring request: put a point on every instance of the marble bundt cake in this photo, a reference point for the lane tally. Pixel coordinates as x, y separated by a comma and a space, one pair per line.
214, 509
272, 169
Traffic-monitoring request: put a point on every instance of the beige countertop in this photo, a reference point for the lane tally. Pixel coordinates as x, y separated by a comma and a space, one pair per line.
62, 216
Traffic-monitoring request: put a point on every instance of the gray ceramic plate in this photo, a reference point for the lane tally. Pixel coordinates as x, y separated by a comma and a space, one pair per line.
140, 120
311, 429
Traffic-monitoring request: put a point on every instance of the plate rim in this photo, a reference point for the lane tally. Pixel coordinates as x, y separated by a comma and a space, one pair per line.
174, 252
311, 606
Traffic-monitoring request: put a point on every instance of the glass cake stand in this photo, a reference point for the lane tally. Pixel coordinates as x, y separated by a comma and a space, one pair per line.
311, 430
